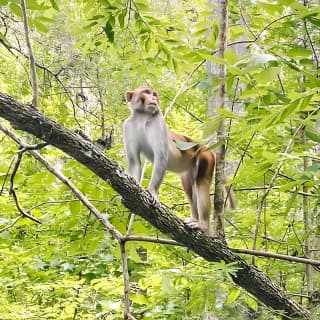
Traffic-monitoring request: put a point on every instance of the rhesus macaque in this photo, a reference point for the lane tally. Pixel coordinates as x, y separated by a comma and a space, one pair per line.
145, 132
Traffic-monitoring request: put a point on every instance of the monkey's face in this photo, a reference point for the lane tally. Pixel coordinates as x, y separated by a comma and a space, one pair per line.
143, 99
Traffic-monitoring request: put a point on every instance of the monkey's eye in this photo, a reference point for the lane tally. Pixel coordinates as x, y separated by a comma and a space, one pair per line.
155, 94
147, 91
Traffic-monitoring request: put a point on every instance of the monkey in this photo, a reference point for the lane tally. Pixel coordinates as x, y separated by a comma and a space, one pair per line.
146, 132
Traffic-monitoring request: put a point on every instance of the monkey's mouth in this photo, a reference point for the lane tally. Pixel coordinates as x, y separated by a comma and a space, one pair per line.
153, 107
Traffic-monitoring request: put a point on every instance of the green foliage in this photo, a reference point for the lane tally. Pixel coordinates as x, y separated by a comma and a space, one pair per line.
88, 53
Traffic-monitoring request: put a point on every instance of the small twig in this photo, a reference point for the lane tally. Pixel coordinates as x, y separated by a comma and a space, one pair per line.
11, 224
34, 80
45, 69
245, 21
273, 22
242, 155
152, 239
181, 89
104, 221
13, 193
269, 188
126, 280
311, 44
281, 84
236, 250
277, 188
6, 176
131, 317
273, 179
276, 256
183, 108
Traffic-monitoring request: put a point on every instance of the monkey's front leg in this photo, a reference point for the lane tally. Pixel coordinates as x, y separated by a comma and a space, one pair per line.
134, 168
158, 171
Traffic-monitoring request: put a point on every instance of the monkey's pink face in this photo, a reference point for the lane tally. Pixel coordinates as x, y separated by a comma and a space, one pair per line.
143, 99
149, 98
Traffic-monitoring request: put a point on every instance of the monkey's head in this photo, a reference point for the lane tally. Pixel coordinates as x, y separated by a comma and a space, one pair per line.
143, 99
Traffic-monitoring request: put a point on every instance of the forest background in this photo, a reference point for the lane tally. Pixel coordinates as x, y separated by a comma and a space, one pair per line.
63, 253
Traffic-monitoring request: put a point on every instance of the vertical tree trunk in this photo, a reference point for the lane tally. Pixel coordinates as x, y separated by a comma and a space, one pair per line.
307, 227
220, 100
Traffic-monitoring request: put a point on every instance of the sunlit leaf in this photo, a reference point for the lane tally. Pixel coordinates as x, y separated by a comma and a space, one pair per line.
16, 9
268, 75
252, 303
233, 295
139, 299
226, 113
40, 26
299, 52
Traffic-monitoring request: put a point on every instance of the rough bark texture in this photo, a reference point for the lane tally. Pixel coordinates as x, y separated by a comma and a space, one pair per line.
28, 119
221, 133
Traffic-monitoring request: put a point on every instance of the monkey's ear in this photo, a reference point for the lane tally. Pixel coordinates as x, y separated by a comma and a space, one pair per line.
128, 95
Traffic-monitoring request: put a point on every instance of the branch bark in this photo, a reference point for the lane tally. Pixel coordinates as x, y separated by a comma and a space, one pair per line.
140, 202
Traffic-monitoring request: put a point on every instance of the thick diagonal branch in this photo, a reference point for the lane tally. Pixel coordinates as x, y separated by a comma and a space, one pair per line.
139, 201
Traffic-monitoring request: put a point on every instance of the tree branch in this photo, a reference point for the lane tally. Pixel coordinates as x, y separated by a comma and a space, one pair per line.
140, 202
34, 80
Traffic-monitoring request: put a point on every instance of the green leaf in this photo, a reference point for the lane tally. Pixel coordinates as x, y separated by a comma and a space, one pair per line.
312, 134
211, 126
297, 105
293, 184
235, 32
184, 145
267, 75
45, 19
214, 59
3, 2
3, 38
74, 207
34, 5
314, 168
16, 9
252, 303
314, 21
290, 202
108, 29
54, 5
40, 26
233, 295
121, 18
142, 5
226, 113
299, 52
272, 9
139, 299
285, 2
